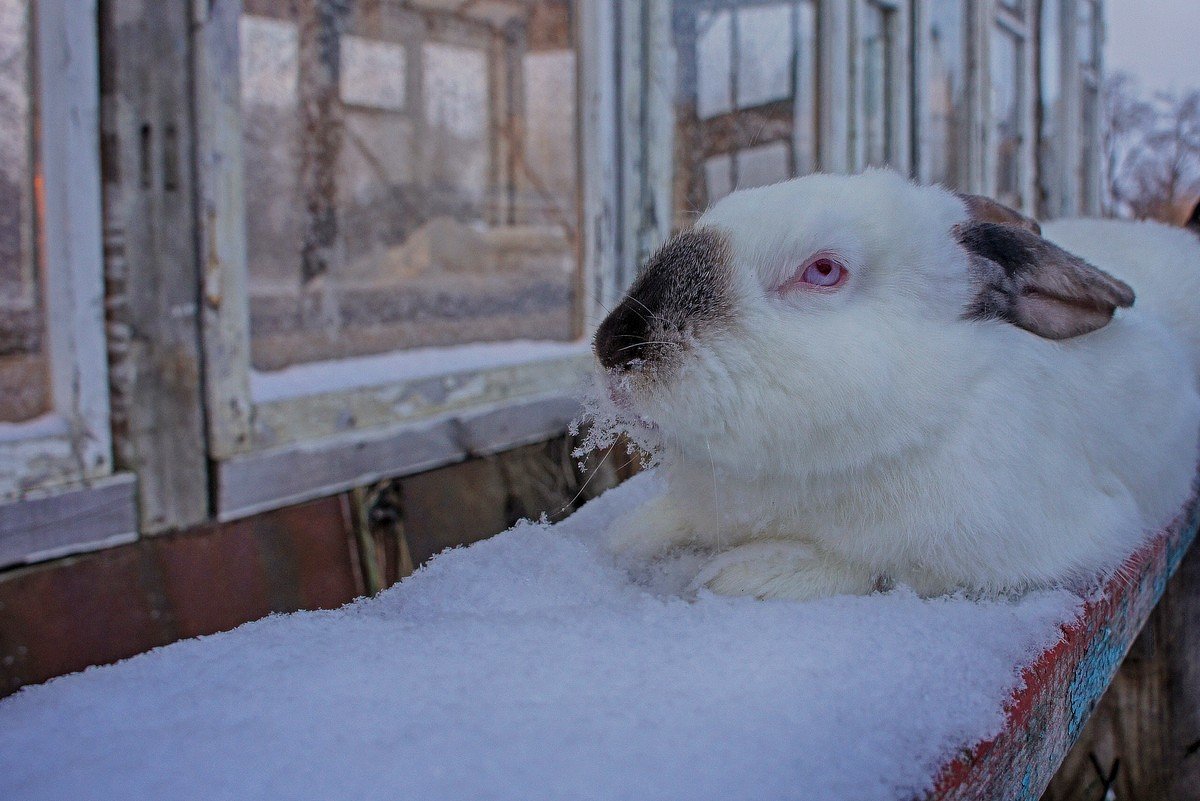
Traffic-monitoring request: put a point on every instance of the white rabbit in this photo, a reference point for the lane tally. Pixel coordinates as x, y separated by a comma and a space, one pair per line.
1161, 262
854, 378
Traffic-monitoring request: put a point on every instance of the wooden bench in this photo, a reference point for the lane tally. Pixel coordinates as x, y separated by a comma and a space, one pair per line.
528, 659
1065, 684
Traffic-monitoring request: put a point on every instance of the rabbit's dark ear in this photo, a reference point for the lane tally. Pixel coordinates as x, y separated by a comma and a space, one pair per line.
1193, 221
984, 209
1036, 285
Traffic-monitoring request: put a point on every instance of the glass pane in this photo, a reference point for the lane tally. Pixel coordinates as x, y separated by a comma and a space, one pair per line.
1050, 100
714, 63
24, 379
718, 175
1085, 36
410, 175
1090, 158
804, 131
949, 111
746, 102
1006, 111
764, 49
877, 84
760, 166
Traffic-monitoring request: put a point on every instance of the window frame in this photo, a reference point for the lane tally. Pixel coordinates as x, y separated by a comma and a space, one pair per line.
58, 493
971, 166
1019, 25
257, 444
897, 94
1087, 198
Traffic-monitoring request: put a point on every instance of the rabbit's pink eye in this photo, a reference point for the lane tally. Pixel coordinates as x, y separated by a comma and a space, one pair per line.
824, 273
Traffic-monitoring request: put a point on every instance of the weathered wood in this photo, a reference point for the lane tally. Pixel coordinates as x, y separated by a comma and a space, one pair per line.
221, 220
150, 264
597, 137
455, 390
271, 479
1144, 737
45, 525
1064, 685
73, 444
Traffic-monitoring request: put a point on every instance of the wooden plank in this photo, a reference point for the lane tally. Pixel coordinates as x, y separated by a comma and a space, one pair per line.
52, 524
1066, 682
834, 69
69, 110
1142, 739
511, 426
222, 225
150, 263
270, 479
598, 99
323, 414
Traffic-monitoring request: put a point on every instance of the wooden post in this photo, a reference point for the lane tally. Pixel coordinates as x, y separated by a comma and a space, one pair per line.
149, 260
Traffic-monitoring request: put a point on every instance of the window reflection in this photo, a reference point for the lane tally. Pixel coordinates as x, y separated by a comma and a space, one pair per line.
1050, 109
1089, 113
1085, 42
747, 98
24, 381
947, 94
1006, 113
877, 83
410, 175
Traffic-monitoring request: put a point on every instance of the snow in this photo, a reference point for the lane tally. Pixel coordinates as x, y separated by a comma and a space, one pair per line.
338, 375
531, 667
49, 424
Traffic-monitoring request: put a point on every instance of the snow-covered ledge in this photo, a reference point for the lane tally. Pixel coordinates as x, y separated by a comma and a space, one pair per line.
529, 667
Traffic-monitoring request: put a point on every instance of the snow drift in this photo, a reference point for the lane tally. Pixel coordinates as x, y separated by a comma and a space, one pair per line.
529, 666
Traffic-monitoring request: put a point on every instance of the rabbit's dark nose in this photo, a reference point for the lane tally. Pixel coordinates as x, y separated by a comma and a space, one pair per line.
683, 290
622, 337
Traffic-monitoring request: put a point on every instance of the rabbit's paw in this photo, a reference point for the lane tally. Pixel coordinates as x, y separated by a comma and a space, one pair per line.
780, 570
648, 531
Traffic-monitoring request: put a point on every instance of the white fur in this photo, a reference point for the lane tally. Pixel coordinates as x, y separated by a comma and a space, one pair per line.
1161, 263
886, 435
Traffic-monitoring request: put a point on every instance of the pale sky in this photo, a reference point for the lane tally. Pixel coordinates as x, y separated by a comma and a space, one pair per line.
1156, 40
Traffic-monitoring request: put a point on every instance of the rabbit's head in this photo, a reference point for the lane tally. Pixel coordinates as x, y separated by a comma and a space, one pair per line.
831, 320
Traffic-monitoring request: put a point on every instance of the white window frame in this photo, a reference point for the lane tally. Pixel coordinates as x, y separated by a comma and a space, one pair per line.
971, 167
1086, 199
898, 126
275, 447
57, 491
1018, 25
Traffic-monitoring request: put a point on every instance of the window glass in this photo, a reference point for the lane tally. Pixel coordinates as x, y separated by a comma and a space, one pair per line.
1050, 99
746, 98
949, 109
1085, 41
765, 51
410, 175
1089, 168
877, 84
24, 379
714, 63
1006, 113
1089, 112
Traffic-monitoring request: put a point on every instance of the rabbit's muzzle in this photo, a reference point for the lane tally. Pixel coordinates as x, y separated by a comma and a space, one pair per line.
682, 292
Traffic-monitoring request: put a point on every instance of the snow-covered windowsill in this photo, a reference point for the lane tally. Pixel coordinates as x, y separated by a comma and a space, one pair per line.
528, 667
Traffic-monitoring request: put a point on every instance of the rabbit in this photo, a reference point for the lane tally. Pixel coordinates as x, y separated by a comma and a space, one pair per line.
1161, 261
857, 380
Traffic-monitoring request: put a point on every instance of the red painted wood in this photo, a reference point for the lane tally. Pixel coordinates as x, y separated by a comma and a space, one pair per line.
1062, 687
